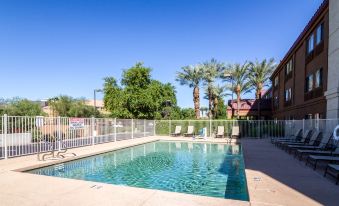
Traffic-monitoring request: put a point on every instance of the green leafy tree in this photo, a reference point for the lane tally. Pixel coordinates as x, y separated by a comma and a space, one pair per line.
80, 109
237, 76
61, 105
218, 94
115, 99
187, 113
192, 76
221, 110
22, 107
211, 71
66, 106
139, 96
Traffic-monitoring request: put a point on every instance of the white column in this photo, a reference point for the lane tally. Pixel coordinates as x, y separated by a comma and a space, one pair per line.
115, 129
5, 119
132, 125
93, 130
59, 132
332, 93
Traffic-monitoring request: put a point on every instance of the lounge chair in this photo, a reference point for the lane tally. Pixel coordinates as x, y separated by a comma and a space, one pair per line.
177, 131
190, 131
221, 132
312, 141
301, 153
314, 159
324, 145
291, 137
201, 134
332, 170
294, 138
235, 132
304, 139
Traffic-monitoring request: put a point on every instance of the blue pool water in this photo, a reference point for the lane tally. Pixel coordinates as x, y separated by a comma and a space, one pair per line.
215, 170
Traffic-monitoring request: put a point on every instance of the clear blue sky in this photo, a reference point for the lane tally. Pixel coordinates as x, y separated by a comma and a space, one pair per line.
53, 47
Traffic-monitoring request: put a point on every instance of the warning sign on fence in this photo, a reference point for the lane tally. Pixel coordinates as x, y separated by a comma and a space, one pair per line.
76, 123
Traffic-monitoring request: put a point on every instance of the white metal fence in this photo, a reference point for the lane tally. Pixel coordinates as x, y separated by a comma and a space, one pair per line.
248, 128
23, 135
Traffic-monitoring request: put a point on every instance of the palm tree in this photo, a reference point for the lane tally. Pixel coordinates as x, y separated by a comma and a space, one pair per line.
260, 75
218, 93
211, 71
192, 76
237, 75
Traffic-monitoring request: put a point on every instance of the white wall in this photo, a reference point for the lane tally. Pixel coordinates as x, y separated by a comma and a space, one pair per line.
332, 94
16, 139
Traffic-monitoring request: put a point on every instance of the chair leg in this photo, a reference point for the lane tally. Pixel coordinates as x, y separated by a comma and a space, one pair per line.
315, 165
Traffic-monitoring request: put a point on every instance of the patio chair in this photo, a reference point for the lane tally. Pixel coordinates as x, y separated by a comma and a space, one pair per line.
332, 170
314, 159
201, 134
312, 141
291, 137
177, 131
235, 132
304, 137
220, 132
190, 131
324, 145
301, 153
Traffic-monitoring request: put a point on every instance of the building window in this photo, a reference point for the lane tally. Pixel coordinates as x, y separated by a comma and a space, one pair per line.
276, 81
288, 95
288, 69
310, 44
320, 34
318, 78
309, 83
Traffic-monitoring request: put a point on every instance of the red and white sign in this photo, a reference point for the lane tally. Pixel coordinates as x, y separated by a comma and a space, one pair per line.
76, 123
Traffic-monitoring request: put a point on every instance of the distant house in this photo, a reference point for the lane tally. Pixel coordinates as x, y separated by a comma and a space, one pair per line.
249, 108
49, 111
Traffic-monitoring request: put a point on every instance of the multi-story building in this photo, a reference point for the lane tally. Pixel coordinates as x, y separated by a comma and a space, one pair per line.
302, 85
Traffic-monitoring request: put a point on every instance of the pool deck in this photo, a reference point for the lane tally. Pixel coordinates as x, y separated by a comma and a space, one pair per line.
273, 177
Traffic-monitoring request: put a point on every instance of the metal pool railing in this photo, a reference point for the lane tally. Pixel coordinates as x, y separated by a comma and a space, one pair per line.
248, 128
24, 135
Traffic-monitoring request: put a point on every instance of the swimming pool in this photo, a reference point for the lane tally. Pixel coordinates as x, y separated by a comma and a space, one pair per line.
215, 170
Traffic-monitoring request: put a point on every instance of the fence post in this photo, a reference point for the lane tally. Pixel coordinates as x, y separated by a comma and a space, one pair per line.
132, 128
115, 129
303, 127
93, 130
144, 127
5, 134
59, 132
210, 127
154, 133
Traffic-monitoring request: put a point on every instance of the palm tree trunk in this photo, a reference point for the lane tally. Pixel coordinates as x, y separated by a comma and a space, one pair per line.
215, 107
238, 105
196, 100
259, 104
210, 102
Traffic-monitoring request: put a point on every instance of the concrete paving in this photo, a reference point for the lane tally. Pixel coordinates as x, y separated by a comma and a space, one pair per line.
273, 178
